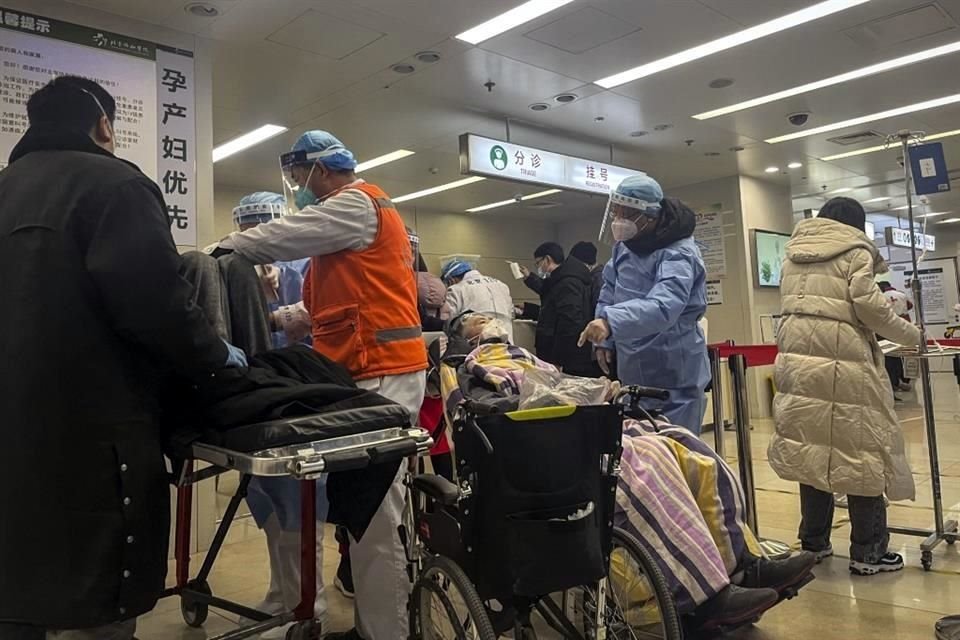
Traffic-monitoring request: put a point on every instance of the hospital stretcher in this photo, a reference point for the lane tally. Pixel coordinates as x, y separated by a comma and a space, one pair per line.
305, 447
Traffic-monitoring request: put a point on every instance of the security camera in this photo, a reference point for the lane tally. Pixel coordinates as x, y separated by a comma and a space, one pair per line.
799, 118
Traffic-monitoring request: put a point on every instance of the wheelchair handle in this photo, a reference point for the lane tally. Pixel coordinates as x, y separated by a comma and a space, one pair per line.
636, 391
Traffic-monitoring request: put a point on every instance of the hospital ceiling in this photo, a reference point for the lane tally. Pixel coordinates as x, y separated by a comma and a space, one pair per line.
329, 64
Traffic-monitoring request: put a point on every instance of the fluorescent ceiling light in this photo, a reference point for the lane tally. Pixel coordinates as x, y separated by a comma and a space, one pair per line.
794, 165
763, 30
246, 141
931, 215
949, 220
772, 169
880, 199
883, 147
842, 190
503, 203
873, 69
882, 115
393, 156
443, 187
510, 19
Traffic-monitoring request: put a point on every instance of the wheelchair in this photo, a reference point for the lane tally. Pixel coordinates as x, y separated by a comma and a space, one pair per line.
528, 528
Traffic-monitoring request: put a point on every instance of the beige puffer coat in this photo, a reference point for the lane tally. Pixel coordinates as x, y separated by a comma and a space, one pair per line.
836, 429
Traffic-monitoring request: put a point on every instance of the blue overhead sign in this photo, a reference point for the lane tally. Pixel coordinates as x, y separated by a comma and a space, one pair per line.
929, 169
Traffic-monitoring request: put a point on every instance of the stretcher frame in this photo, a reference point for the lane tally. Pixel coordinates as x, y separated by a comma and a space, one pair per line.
303, 462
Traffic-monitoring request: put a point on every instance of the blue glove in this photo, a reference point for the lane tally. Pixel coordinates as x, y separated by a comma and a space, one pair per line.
235, 357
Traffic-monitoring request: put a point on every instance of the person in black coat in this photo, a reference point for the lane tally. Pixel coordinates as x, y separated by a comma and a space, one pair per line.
564, 310
96, 317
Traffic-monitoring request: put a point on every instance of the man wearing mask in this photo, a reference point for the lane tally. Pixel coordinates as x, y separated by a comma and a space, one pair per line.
586, 252
654, 294
564, 288
361, 296
96, 319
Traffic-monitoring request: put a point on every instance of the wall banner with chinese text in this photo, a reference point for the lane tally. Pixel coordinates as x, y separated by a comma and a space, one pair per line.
153, 87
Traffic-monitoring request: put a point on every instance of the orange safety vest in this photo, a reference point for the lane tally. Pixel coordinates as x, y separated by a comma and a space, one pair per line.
363, 304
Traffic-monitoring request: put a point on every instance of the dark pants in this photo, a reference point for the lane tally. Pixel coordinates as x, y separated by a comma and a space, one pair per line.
868, 522
894, 367
443, 465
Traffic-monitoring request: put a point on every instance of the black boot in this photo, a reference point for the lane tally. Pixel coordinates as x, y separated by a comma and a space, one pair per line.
733, 606
779, 575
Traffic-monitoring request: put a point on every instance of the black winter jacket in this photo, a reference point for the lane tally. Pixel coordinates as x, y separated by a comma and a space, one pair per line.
565, 298
95, 315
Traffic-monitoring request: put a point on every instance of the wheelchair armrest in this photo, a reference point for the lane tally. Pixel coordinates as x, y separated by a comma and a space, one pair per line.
438, 488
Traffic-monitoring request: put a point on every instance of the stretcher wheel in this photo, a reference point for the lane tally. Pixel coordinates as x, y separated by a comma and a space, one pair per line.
926, 559
308, 630
194, 613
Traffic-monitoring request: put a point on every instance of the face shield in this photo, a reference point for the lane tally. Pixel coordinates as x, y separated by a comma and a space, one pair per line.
247, 216
296, 169
627, 218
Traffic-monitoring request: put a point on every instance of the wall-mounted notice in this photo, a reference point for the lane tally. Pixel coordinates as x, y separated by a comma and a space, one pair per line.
940, 287
709, 237
152, 85
714, 292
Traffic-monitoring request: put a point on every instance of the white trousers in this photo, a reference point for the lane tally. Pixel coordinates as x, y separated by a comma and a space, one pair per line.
283, 548
378, 559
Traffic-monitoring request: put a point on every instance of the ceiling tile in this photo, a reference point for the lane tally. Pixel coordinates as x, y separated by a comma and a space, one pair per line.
324, 35
581, 31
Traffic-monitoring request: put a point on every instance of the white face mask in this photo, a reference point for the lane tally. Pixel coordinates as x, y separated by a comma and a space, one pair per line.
494, 330
623, 229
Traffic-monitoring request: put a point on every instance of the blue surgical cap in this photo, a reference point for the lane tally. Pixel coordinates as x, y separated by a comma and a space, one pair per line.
644, 189
259, 207
262, 197
455, 269
322, 146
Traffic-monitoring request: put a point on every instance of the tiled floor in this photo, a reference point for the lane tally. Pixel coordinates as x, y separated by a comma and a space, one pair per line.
836, 605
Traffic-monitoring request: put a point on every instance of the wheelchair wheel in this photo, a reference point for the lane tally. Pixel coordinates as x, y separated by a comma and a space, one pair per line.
639, 602
445, 606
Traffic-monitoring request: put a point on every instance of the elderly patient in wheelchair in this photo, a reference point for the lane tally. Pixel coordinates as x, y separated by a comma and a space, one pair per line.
681, 553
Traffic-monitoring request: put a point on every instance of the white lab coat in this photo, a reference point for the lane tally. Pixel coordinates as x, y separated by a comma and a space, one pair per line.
483, 294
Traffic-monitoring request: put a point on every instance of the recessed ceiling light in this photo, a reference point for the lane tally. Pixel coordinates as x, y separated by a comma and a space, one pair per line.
403, 68
393, 156
539, 106
794, 165
201, 9
772, 169
880, 199
503, 203
510, 19
246, 141
566, 98
443, 187
882, 115
762, 30
884, 147
873, 69
428, 57
599, 119
842, 190
662, 127
720, 83
638, 134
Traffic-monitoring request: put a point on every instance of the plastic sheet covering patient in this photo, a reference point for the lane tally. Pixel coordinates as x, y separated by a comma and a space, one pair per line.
680, 500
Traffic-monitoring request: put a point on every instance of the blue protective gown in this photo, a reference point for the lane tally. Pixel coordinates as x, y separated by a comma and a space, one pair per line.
282, 495
652, 303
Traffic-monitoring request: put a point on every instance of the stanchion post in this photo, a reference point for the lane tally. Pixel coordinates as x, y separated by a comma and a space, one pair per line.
716, 394
738, 371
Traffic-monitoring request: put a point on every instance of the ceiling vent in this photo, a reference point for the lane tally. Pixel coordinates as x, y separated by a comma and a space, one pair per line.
857, 138
543, 205
913, 24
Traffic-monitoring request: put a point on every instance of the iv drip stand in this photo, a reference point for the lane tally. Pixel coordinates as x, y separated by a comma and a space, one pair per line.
943, 531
